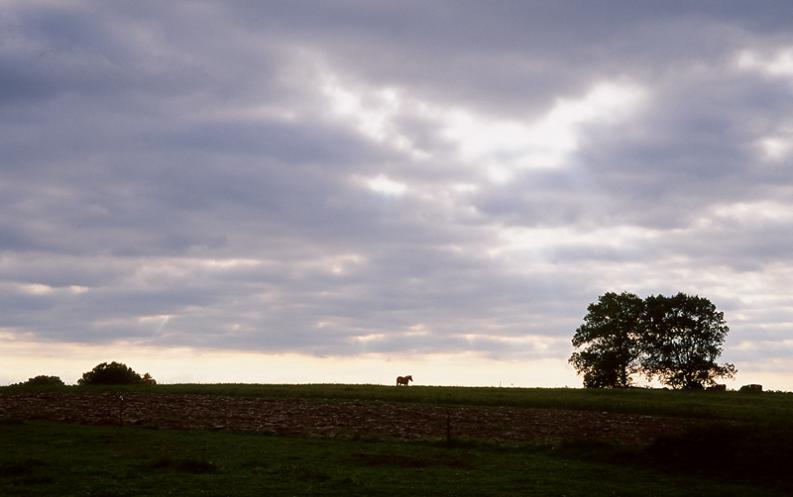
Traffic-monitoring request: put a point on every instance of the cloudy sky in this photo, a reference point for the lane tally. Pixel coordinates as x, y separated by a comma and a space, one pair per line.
350, 190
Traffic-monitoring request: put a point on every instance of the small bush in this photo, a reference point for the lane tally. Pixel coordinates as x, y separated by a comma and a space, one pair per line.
43, 380
114, 373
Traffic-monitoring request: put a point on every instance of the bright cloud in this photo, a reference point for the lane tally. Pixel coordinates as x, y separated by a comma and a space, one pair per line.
372, 114
778, 63
777, 148
505, 146
386, 186
498, 146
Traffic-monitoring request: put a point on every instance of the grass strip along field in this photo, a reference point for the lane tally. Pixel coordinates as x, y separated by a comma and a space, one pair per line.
746, 450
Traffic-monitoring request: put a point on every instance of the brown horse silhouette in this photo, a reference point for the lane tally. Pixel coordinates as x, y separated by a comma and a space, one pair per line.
404, 380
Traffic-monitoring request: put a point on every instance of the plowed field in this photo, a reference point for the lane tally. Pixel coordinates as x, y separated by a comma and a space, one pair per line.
343, 418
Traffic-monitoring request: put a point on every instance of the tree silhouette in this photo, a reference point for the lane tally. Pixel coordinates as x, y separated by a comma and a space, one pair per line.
683, 336
114, 373
42, 379
608, 341
675, 339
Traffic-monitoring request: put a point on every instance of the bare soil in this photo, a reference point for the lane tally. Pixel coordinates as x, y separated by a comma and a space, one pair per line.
344, 419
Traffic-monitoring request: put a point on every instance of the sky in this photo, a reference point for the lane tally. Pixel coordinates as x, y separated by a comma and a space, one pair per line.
346, 191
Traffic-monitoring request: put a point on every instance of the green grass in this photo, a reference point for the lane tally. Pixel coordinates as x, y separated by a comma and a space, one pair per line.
44, 459
39, 458
765, 408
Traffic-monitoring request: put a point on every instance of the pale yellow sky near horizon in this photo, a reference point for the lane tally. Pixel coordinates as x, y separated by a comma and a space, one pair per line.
22, 360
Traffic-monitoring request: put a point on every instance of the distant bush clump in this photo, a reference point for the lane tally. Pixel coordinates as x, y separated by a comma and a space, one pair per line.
43, 380
115, 373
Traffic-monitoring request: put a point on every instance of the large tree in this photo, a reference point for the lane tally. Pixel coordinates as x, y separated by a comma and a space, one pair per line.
607, 344
682, 338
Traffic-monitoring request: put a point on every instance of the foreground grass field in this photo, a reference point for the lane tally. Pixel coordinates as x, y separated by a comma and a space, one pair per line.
38, 459
746, 450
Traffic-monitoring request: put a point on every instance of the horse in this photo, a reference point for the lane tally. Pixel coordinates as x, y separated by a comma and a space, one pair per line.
404, 380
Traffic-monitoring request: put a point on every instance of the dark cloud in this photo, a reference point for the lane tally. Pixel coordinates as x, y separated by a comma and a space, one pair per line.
292, 176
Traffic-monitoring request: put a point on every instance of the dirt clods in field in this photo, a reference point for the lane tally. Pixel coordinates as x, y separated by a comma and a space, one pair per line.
343, 419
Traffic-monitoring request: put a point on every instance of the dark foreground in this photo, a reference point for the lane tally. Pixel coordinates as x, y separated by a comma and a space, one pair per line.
45, 459
130, 443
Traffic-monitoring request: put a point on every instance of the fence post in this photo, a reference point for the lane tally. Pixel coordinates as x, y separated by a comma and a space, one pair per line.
448, 427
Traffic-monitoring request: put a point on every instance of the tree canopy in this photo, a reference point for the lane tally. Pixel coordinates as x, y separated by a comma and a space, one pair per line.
674, 339
683, 336
608, 341
114, 373
43, 380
